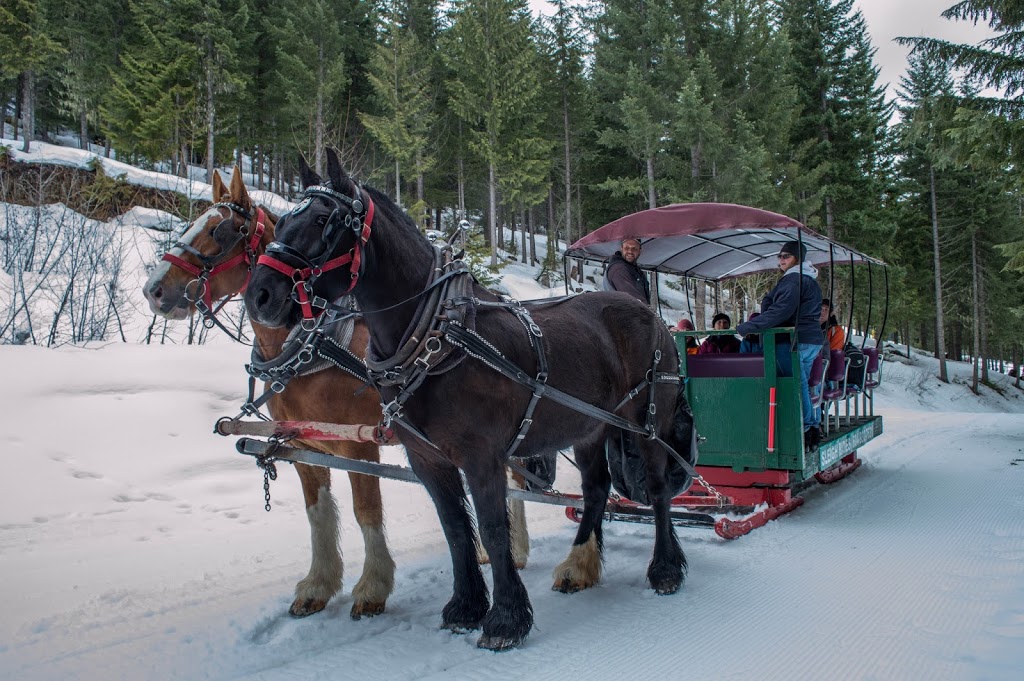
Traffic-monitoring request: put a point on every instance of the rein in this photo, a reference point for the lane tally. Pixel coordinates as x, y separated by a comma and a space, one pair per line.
212, 265
359, 220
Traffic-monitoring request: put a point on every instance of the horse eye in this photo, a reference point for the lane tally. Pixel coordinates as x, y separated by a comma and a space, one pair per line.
321, 220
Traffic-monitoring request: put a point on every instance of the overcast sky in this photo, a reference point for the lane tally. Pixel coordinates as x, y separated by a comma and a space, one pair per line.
888, 19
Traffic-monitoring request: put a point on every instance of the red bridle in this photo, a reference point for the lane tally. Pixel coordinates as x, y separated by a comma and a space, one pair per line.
303, 277
211, 268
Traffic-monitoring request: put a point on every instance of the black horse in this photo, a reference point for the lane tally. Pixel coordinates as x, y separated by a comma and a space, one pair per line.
433, 333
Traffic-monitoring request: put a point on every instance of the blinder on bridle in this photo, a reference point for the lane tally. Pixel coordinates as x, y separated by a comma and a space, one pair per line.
212, 265
350, 214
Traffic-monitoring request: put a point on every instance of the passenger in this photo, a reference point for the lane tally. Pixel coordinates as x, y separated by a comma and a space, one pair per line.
835, 336
795, 301
624, 275
720, 344
751, 343
685, 324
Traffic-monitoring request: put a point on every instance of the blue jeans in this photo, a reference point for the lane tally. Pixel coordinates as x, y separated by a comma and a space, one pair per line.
807, 351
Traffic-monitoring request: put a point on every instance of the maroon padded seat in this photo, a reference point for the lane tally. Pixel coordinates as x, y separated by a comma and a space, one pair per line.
871, 374
836, 377
747, 365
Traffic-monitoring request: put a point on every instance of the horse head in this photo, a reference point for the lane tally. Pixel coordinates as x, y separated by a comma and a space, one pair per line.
318, 251
214, 256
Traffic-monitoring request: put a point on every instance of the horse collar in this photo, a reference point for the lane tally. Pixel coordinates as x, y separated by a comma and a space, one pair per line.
423, 348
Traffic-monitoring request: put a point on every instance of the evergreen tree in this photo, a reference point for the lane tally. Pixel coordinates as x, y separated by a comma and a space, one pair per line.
495, 91
989, 129
315, 71
165, 97
638, 67
27, 46
924, 90
843, 118
401, 75
564, 42
93, 35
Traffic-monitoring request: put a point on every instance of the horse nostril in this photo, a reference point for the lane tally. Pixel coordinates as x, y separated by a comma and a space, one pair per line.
262, 298
157, 292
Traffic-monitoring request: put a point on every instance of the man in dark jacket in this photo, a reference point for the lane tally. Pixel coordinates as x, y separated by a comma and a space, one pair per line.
795, 301
624, 275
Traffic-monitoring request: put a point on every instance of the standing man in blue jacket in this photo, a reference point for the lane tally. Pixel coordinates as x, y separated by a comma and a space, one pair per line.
795, 301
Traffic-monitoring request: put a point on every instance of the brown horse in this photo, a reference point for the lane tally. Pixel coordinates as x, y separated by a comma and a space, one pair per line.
434, 333
306, 398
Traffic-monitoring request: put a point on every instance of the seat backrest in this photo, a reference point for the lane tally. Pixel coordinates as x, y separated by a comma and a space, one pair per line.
872, 355
817, 371
837, 366
725, 366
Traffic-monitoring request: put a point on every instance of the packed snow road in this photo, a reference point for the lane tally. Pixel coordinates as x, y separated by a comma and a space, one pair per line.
134, 545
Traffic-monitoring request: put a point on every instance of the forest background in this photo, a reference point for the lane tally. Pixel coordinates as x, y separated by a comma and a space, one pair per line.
478, 110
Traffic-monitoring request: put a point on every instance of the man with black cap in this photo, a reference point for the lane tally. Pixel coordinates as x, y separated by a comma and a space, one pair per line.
624, 275
795, 301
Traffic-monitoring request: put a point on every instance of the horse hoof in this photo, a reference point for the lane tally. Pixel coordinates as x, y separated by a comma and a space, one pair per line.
460, 628
498, 643
460, 617
367, 609
304, 607
665, 589
568, 586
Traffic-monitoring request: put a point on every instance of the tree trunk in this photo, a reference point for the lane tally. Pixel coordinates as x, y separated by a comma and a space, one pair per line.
524, 255
567, 173
28, 102
975, 314
983, 321
211, 113
533, 236
398, 183
492, 212
83, 128
550, 257
318, 125
940, 340
652, 199
699, 296
425, 216
19, 93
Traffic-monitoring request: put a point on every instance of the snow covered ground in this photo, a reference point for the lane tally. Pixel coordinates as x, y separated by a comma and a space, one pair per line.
134, 545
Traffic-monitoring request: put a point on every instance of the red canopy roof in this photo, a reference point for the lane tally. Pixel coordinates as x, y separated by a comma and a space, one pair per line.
710, 240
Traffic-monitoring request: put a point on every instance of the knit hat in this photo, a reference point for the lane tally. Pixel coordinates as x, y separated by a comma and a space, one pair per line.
794, 248
721, 315
684, 324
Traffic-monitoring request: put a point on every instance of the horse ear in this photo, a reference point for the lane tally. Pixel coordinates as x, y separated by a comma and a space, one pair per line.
308, 175
219, 189
239, 194
334, 169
